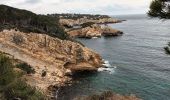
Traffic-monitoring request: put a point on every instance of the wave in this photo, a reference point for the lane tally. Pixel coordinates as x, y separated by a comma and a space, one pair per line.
95, 37
57, 93
107, 68
106, 63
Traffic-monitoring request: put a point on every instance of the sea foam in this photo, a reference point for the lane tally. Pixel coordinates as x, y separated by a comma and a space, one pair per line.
107, 68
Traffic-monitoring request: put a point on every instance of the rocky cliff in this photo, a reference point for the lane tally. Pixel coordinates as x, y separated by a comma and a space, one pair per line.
94, 31
73, 22
56, 57
89, 28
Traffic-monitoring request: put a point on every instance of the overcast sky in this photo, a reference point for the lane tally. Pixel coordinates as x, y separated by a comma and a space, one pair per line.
110, 7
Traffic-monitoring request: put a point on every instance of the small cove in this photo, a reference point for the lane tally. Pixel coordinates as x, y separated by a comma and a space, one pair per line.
142, 67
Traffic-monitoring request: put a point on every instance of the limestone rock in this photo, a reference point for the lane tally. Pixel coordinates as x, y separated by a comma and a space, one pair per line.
95, 31
108, 31
71, 22
57, 57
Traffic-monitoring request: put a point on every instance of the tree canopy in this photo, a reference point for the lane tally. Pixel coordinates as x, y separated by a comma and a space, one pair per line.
27, 21
160, 9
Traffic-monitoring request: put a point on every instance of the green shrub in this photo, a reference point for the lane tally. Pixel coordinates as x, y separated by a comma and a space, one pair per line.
44, 73
20, 89
18, 39
102, 96
88, 24
11, 85
6, 72
27, 68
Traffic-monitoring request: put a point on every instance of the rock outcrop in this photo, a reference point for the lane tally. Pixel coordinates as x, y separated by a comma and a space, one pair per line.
89, 28
108, 31
108, 95
72, 22
108, 20
87, 32
94, 31
57, 57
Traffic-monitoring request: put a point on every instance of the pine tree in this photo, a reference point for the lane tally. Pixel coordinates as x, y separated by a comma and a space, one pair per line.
161, 9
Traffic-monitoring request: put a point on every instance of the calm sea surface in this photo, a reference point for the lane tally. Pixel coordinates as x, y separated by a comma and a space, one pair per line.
142, 69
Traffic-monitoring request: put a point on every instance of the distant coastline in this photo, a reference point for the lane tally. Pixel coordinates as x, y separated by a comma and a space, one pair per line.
40, 44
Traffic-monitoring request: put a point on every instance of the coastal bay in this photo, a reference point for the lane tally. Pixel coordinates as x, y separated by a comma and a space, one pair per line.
142, 67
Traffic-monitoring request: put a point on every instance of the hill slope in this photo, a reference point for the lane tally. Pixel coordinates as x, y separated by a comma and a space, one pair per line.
27, 21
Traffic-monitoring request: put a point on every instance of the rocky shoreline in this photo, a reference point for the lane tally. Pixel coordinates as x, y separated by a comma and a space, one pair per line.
78, 22
58, 58
94, 31
90, 28
43, 47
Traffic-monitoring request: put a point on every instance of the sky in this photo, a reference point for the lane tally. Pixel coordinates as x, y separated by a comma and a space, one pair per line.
108, 7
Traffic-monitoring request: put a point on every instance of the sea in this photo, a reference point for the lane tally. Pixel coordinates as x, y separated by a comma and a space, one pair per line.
137, 62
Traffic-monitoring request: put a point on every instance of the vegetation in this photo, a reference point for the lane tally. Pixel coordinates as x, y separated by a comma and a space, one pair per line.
25, 67
44, 73
27, 21
167, 49
78, 16
17, 39
12, 86
161, 9
108, 95
103, 96
6, 72
87, 24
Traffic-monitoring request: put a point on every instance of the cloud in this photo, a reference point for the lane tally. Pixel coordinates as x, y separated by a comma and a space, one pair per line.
32, 1
111, 7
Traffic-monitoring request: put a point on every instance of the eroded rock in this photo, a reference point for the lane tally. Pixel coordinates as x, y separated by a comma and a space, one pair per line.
95, 31
57, 57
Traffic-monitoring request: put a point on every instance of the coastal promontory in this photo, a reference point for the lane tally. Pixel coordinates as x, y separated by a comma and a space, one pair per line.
44, 53
83, 26
38, 54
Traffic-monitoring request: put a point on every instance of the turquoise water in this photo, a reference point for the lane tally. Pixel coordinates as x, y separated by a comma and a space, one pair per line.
142, 69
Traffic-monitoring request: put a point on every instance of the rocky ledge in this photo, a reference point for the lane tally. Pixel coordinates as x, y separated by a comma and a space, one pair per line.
94, 31
80, 21
58, 58
108, 95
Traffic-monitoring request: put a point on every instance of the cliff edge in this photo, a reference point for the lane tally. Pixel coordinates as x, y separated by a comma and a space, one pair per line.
58, 58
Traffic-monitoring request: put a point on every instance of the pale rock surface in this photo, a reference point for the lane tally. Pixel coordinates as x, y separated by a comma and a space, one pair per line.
57, 57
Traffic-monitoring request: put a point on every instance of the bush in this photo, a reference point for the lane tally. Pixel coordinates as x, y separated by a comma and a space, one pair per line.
44, 73
6, 72
18, 39
27, 68
88, 24
108, 95
11, 85
20, 89
104, 96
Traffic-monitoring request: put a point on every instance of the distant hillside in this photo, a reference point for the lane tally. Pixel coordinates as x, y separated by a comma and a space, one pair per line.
27, 21
77, 16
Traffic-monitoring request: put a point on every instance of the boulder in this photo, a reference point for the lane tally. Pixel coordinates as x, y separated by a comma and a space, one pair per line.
108, 31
